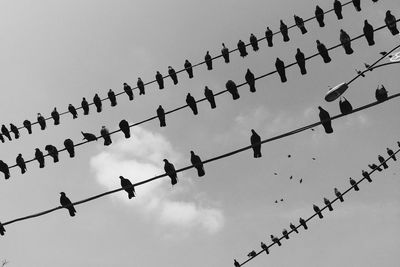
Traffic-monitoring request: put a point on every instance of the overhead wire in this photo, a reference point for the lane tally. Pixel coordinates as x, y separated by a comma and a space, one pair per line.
321, 209
301, 129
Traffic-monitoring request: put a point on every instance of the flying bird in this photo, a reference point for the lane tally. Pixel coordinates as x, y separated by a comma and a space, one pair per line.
85, 106
374, 166
172, 74
161, 116
5, 132
189, 68
323, 51
21, 163
303, 223
319, 15
89, 137
382, 161
128, 89
328, 204
169, 169
39, 157
275, 240
285, 233
268, 35
4, 169
53, 152
112, 97
69, 146
232, 88
106, 135
254, 42
300, 24
345, 40
284, 31
250, 79
264, 247
225, 53
255, 141
208, 60
191, 102
293, 228
338, 195
391, 153
140, 86
242, 48
160, 80
280, 68
368, 30
366, 176
97, 102
318, 211
56, 116
28, 125
325, 119
197, 163
127, 186
124, 126
208, 93
66, 203
353, 183
301, 61
337, 6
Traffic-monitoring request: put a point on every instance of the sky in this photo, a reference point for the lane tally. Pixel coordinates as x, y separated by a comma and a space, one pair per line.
53, 53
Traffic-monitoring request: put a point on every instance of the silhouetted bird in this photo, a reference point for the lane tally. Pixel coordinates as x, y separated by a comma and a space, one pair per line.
337, 6
169, 169
173, 75
66, 203
369, 33
280, 68
39, 157
250, 79
106, 136
72, 110
197, 163
28, 125
89, 137
160, 80
357, 5
345, 106
21, 163
189, 68
338, 195
325, 120
374, 166
382, 161
242, 48
318, 211
252, 254
264, 247
128, 187
208, 93
5, 132
391, 153
225, 53
69, 145
368, 67
353, 183
275, 240
42, 121
237, 264
140, 86
323, 52
390, 22
285, 233
381, 94
328, 204
300, 24
97, 102
232, 88
56, 116
208, 60
53, 152
14, 130
291, 177
374, 1
124, 126
346, 42
2, 231
4, 169
383, 53
360, 73
398, 143
268, 35
191, 103
255, 141
303, 223
161, 116
301, 180
293, 228
85, 106
128, 90
112, 97
319, 15
1, 138
254, 42
284, 31
366, 176
301, 61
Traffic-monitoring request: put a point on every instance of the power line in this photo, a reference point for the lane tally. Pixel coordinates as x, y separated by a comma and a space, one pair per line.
301, 129
203, 99
322, 209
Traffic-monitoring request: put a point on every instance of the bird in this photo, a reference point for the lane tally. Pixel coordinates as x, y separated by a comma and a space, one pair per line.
112, 97
391, 153
254, 42
291, 177
367, 66
250, 79
319, 15
264, 247
337, 6
53, 152
255, 141
160, 80
325, 119
318, 211
281, 199
140, 86
85, 106
72, 110
42, 121
293, 228
303, 223
300, 24
237, 264
208, 60
301, 180
398, 143
39, 157
242, 48
284, 31
383, 53
285, 233
268, 36
374, 166
381, 94
189, 68
289, 156
252, 254
301, 61
4, 169
232, 88
56, 116
2, 231
323, 52
127, 186
66, 203
280, 68
128, 89
382, 161
208, 93
313, 158
2, 138
345, 106
357, 5
225, 53
21, 163
5, 132
197, 163
368, 30
276, 240
89, 137
69, 146
275, 173
106, 135
191, 102
14, 130
97, 103
124, 126
353, 183
338, 194
390, 22
345, 40
28, 125
360, 73
161, 116
366, 176
328, 204
169, 169
172, 74
276, 201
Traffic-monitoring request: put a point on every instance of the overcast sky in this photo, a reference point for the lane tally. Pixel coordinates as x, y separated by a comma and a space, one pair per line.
53, 53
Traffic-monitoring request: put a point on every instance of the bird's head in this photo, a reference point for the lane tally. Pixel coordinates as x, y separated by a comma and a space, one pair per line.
62, 193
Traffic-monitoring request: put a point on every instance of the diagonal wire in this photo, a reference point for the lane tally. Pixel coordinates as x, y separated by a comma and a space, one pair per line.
301, 129
323, 208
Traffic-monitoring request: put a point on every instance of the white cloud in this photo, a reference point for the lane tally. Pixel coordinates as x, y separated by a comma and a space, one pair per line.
140, 158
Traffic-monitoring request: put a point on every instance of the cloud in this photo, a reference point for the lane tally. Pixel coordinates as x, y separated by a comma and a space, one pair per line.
140, 158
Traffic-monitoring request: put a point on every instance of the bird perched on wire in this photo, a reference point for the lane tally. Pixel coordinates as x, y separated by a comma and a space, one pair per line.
285, 233
325, 119
268, 36
390, 22
368, 30
72, 110
264, 247
337, 6
232, 88
53, 152
242, 48
374, 166
328, 204
197, 163
28, 125
360, 73
353, 183
4, 169
293, 228
56, 116
140, 86
172, 74
112, 97
169, 169
255, 141
366, 176
237, 264
42, 121
319, 15
5, 132
357, 4
252, 254
391, 153
97, 102
301, 61
300, 24
383, 53
254, 42
345, 40
85, 106
323, 52
208, 93
280, 68
275, 240
69, 146
39, 157
14, 130
225, 53
318, 211
127, 186
345, 106
251, 81
66, 203
284, 31
191, 102
160, 80
208, 60
129, 92
338, 195
303, 223
161, 116
89, 137
382, 161
21, 163
189, 68
2, 230
106, 136
124, 126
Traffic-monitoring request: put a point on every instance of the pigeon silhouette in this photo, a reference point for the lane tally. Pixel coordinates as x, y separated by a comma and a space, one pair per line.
374, 166
208, 93
345, 40
254, 42
366, 176
325, 119
381, 94
169, 169
252, 254
56, 116
275, 240
2, 230
89, 137
242, 48
172, 74
280, 68
160, 80
357, 4
225, 53
42, 121
255, 141
53, 152
318, 211
391, 153
97, 103
72, 110
319, 15
28, 125
197, 163
323, 52
268, 35
301, 61
39, 157
191, 102
161, 116
353, 183
232, 88
382, 161
390, 22
140, 86
112, 97
338, 195
337, 6
106, 136
85, 106
300, 24
345, 106
250, 79
328, 204
368, 30
128, 90
21, 163
293, 228
14, 130
4, 169
360, 73
5, 132
208, 60
303, 223
69, 146
284, 31
285, 233
264, 247
128, 187
66, 203
124, 126
189, 68
235, 263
